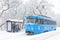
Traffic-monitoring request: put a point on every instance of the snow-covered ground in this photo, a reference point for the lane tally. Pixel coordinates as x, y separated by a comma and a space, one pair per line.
52, 35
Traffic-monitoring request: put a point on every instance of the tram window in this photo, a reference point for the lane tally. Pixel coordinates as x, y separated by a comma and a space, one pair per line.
54, 23
51, 22
48, 22
45, 21
31, 21
37, 21
41, 21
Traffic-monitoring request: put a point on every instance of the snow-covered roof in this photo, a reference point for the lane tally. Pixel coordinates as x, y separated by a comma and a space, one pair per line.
14, 20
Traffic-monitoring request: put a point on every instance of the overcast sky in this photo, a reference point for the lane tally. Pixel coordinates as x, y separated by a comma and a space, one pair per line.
56, 7
56, 4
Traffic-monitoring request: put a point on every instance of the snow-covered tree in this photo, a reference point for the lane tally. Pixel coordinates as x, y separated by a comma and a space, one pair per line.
18, 9
40, 7
10, 11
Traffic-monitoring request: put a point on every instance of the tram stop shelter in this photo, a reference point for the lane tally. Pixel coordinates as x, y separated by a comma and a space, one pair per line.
14, 25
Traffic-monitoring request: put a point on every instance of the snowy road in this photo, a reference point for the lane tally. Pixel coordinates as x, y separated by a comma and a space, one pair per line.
53, 35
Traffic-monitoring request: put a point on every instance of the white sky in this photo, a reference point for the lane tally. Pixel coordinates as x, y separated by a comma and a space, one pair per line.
56, 7
56, 4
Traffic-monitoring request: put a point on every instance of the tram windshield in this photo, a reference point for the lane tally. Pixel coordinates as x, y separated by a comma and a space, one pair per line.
31, 20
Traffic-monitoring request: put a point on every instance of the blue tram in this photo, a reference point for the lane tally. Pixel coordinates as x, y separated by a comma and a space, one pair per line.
39, 24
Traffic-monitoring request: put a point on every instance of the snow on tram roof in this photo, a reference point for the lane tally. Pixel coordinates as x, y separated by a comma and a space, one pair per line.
14, 20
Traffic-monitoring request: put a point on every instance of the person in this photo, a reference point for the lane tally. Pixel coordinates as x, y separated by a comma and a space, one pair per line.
13, 27
16, 28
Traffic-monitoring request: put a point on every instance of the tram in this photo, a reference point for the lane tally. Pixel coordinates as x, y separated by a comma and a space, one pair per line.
39, 24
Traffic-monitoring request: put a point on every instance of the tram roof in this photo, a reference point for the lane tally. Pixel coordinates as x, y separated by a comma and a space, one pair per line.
42, 17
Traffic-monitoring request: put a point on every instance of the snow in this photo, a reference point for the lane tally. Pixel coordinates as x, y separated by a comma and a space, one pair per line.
15, 20
18, 10
52, 35
57, 37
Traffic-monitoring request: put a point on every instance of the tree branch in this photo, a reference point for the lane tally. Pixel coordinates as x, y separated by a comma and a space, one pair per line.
5, 9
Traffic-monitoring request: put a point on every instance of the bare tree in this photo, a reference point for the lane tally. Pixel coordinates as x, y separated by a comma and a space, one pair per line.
10, 5
43, 7
7, 2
